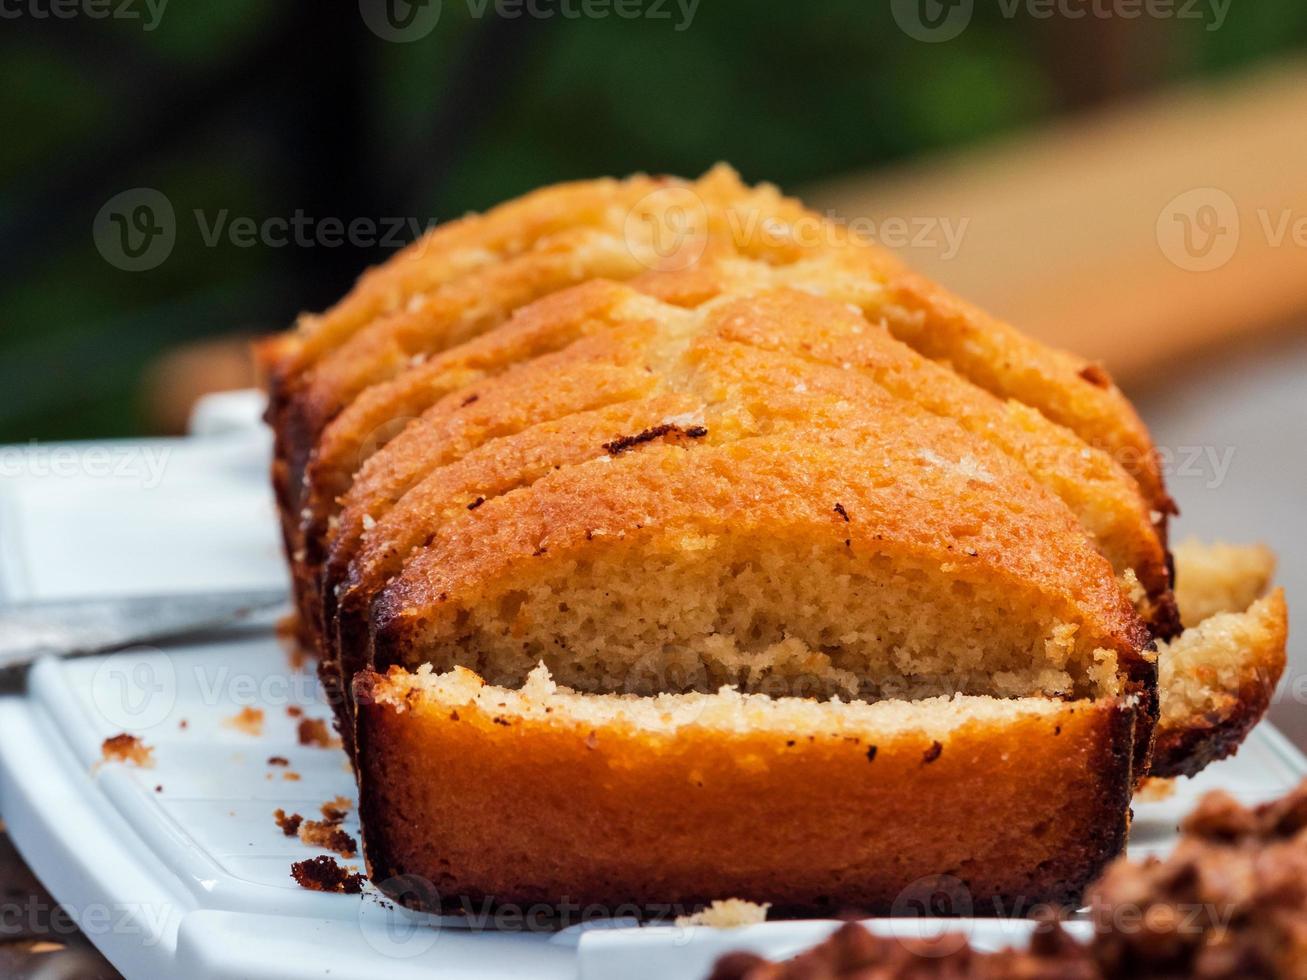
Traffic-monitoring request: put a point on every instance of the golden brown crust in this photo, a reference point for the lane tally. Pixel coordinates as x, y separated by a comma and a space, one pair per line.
522, 810
1101, 493
1067, 389
597, 371
438, 296
456, 248
379, 413
452, 251
463, 309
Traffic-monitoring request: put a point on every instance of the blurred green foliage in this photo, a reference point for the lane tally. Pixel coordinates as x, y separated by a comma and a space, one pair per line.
255, 109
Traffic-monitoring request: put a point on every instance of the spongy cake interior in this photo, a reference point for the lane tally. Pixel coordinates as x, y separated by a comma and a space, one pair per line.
695, 611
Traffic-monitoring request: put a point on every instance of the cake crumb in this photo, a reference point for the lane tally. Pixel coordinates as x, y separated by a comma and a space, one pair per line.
127, 749
289, 635
1155, 790
288, 822
337, 809
327, 834
854, 951
727, 914
294, 711
290, 777
248, 720
183, 724
323, 874
314, 731
278, 760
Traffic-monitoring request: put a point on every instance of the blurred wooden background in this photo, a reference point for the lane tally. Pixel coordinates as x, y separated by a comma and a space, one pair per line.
1076, 233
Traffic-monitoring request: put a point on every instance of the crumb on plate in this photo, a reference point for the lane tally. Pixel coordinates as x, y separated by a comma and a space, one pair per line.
288, 822
1155, 790
248, 720
327, 834
727, 914
323, 874
127, 749
335, 810
290, 637
314, 731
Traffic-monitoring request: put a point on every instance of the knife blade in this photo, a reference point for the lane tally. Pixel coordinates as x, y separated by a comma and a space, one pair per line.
80, 627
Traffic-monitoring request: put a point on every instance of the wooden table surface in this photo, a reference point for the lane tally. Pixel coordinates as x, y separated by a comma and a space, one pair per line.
38, 940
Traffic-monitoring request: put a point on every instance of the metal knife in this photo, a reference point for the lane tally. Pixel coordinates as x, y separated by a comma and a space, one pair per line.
79, 627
